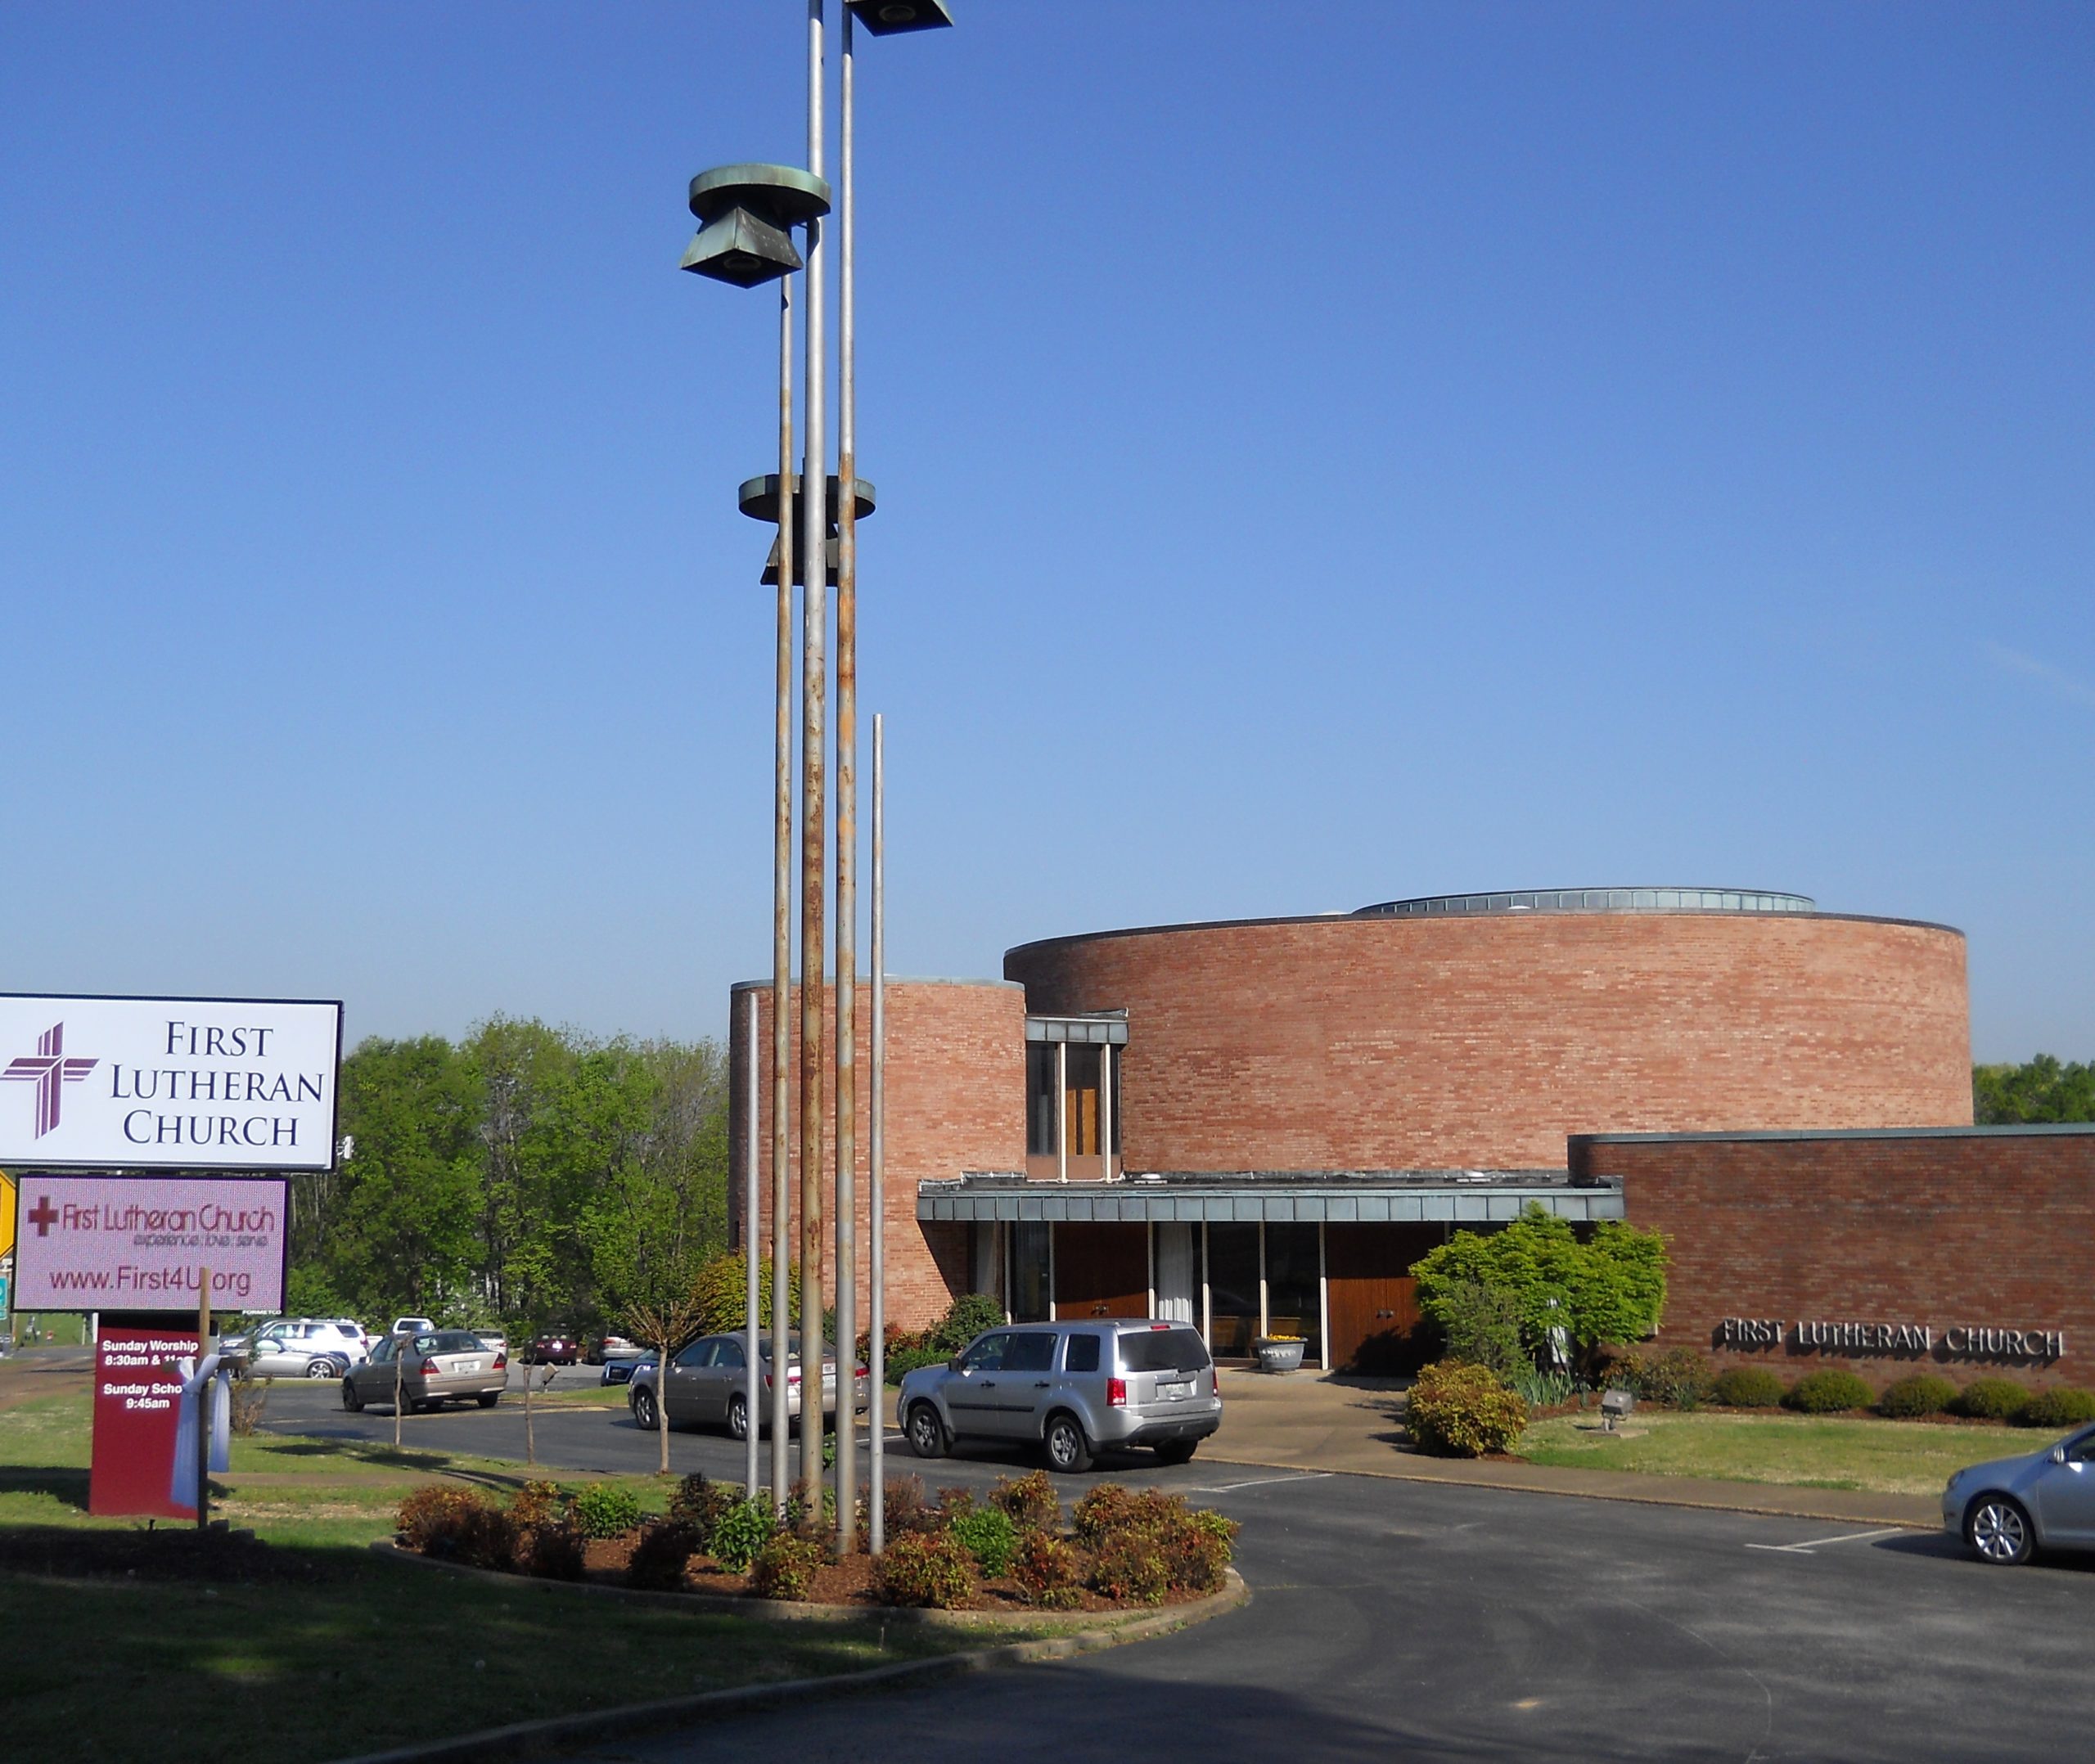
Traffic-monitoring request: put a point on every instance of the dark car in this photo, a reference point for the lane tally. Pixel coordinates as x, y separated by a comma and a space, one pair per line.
554, 1346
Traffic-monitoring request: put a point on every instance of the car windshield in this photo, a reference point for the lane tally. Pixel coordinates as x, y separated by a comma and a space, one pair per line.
1163, 1350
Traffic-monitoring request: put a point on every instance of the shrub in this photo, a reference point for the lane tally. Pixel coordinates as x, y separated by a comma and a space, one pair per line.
658, 1560
1197, 1547
905, 1508
988, 1536
1991, 1399
739, 1532
1107, 1506
801, 1515
1828, 1391
1030, 1501
1131, 1566
1046, 1570
1482, 1325
605, 1510
786, 1568
552, 1551
924, 1569
966, 1317
457, 1525
900, 1364
247, 1399
1463, 1412
954, 1503
1680, 1378
1748, 1387
1542, 1387
1909, 1398
542, 1503
723, 1294
2057, 1408
699, 1504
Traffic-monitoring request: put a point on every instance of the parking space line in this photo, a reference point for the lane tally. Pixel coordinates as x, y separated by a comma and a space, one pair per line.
1810, 1543
1262, 1481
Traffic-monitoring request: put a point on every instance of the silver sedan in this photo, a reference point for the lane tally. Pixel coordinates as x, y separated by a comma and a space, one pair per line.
2008, 1509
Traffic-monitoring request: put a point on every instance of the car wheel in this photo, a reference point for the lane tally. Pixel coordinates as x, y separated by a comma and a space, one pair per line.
321, 1369
927, 1433
738, 1416
351, 1400
1176, 1451
1997, 1530
489, 1399
643, 1410
1069, 1452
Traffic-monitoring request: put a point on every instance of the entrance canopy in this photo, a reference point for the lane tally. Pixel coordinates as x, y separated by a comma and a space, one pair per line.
1311, 1197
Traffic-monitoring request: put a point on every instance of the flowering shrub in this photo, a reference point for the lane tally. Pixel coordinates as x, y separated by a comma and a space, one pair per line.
1463, 1412
1030, 1501
1046, 1570
786, 1568
924, 1569
1131, 1565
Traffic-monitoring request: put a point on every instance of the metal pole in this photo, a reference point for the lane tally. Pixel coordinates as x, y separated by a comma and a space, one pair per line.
813, 683
752, 1422
847, 849
203, 1400
782, 932
875, 1197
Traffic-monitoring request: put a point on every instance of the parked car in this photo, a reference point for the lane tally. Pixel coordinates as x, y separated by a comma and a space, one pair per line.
2008, 1508
554, 1346
1074, 1389
411, 1326
708, 1383
606, 1349
495, 1340
621, 1371
295, 1348
434, 1368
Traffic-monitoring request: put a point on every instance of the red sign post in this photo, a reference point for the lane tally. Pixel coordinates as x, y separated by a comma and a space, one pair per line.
136, 1404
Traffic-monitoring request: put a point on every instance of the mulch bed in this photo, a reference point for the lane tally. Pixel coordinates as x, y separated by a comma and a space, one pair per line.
848, 1582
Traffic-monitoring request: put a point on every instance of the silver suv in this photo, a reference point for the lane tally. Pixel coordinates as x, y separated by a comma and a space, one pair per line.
1071, 1388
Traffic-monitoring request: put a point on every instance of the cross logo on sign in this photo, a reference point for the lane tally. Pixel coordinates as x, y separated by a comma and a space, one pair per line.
43, 1215
49, 1070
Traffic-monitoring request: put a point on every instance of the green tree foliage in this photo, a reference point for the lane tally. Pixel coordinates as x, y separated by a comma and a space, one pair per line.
2042, 1089
723, 1293
1609, 1287
527, 1175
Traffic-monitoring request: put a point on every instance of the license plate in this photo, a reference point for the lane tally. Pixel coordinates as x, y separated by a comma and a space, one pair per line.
1173, 1393
470, 1366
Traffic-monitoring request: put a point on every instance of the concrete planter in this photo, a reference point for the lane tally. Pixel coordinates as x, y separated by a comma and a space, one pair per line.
1278, 1356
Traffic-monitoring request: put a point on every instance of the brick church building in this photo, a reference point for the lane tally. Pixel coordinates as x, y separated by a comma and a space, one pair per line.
1259, 1126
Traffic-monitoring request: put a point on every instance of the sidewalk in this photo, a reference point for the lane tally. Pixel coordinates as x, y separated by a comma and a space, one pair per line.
1305, 1421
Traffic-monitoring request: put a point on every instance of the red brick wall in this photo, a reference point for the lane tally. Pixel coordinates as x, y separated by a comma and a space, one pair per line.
1424, 1043
955, 1101
1988, 1227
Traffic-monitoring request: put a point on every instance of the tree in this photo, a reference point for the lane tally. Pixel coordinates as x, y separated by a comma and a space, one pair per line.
1611, 1288
668, 1322
2042, 1089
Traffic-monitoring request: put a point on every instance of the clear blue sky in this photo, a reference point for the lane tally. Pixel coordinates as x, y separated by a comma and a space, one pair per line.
1326, 453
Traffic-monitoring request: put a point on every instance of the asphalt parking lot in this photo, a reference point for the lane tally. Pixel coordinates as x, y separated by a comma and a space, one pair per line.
1396, 1620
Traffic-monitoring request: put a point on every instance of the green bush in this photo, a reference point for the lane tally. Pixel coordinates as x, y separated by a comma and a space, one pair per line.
899, 1364
1680, 1378
1463, 1412
966, 1318
1991, 1399
1749, 1387
2057, 1408
988, 1536
745, 1529
1482, 1325
657, 1561
723, 1295
786, 1568
1030, 1500
542, 1503
1107, 1507
924, 1569
1828, 1391
1919, 1394
1046, 1569
699, 1504
800, 1512
1197, 1547
605, 1510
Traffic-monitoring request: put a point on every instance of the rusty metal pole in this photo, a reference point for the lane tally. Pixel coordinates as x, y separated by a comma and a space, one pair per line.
752, 1415
814, 535
782, 930
847, 844
876, 1150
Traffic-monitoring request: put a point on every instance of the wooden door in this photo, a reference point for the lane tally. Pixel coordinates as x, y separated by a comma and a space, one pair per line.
1376, 1325
1100, 1271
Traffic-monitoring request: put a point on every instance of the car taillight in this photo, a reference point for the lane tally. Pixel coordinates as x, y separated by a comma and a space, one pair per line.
767, 1381
501, 1362
430, 1369
793, 1375
1214, 1382
1116, 1393
865, 1372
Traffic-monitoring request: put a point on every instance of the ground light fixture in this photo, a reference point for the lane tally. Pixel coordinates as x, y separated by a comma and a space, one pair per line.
889, 18
747, 214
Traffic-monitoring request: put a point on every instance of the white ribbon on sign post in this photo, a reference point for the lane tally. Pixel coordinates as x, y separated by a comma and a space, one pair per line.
182, 1486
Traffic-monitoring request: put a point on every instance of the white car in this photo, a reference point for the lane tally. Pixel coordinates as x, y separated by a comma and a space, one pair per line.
300, 1348
414, 1326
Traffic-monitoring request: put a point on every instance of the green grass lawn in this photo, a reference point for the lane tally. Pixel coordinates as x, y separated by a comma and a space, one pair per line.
1804, 1451
323, 1651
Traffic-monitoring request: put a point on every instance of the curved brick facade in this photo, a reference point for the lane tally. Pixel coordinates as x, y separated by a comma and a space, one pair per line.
1380, 1043
955, 1101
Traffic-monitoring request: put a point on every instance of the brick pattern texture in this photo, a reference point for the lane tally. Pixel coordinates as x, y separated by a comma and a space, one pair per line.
1429, 1043
955, 1101
1989, 1228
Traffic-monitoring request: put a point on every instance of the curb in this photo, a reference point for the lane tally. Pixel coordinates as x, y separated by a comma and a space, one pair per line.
1654, 1498
528, 1739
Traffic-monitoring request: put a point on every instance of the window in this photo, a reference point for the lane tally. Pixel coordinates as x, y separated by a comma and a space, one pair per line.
1028, 1286
730, 1354
1080, 1104
1040, 1098
697, 1354
1030, 1353
1163, 1350
987, 1355
1083, 1354
382, 1354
